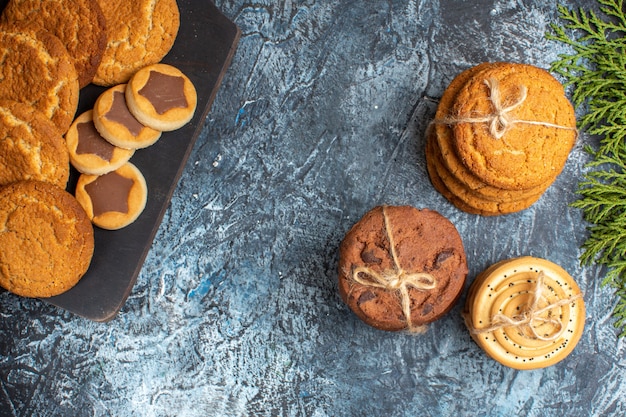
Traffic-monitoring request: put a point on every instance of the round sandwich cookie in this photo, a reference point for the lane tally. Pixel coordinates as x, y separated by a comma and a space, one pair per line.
116, 123
525, 313
162, 97
113, 200
46, 239
514, 126
89, 152
139, 33
79, 24
31, 147
401, 268
52, 82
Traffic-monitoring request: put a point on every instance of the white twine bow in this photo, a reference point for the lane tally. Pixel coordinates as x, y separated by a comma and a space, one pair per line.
397, 279
532, 316
501, 119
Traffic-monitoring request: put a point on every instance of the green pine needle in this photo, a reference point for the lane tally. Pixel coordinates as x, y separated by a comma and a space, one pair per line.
595, 71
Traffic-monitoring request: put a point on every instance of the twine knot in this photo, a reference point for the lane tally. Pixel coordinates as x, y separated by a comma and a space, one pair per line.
532, 317
396, 279
501, 119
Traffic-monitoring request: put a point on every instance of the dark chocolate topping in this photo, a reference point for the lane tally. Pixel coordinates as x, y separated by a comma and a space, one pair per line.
90, 142
165, 92
119, 113
109, 192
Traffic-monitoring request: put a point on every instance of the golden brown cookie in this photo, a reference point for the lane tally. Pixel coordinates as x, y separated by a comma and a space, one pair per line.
89, 152
46, 240
37, 70
116, 123
445, 143
139, 33
31, 147
470, 198
401, 268
518, 126
162, 97
525, 313
79, 24
113, 200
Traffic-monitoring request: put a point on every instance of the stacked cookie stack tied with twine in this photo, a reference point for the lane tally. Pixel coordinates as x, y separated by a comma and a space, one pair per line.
52, 49
501, 136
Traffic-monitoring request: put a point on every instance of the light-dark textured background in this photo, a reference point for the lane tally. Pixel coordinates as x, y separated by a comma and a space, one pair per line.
236, 313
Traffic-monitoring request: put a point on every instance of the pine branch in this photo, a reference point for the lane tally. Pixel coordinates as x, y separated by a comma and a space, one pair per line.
595, 70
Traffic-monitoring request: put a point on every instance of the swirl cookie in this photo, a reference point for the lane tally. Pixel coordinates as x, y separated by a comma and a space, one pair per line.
162, 97
79, 24
89, 152
528, 142
31, 147
52, 82
401, 268
46, 240
525, 313
113, 200
116, 123
139, 33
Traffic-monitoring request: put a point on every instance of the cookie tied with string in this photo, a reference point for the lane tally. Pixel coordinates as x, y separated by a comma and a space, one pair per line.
501, 135
401, 268
526, 313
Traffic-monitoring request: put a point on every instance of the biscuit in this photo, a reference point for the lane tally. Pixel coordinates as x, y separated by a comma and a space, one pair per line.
162, 97
401, 268
139, 33
529, 152
31, 147
526, 313
79, 24
52, 82
470, 198
89, 152
445, 144
113, 200
116, 123
46, 240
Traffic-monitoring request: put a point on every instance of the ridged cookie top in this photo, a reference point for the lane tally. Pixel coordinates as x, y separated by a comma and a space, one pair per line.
79, 24
37, 70
139, 33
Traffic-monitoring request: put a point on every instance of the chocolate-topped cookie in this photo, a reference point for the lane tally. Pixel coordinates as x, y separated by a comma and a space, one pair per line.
89, 152
401, 268
113, 200
162, 97
116, 123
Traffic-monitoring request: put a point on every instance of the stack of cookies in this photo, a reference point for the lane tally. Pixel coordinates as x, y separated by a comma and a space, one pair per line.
525, 313
51, 49
501, 135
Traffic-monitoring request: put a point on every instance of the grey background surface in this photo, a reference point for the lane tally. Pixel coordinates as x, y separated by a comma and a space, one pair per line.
236, 313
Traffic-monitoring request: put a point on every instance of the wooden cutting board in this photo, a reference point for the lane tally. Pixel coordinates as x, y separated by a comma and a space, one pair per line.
203, 50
